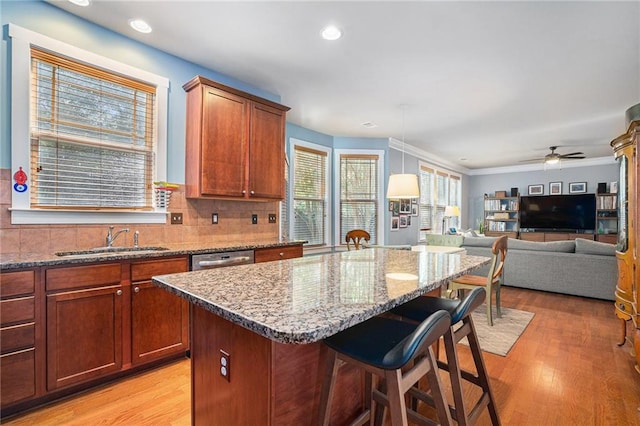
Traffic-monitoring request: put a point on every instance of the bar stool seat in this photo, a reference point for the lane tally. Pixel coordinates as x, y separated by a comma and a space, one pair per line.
460, 310
385, 347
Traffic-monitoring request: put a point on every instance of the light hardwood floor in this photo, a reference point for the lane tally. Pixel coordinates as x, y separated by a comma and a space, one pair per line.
566, 369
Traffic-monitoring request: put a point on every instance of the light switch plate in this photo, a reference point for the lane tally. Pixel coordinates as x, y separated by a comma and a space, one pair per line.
214, 218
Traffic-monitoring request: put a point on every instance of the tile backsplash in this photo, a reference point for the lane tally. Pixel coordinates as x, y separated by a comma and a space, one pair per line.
234, 224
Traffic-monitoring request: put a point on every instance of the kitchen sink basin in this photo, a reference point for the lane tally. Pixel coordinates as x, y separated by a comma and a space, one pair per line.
106, 251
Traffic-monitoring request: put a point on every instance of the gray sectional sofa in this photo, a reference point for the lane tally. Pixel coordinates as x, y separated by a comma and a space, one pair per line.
577, 267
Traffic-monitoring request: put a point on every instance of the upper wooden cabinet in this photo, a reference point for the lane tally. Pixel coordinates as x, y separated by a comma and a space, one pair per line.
234, 143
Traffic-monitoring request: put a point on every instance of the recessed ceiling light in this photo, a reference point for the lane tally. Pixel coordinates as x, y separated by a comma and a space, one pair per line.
140, 25
369, 125
331, 33
80, 2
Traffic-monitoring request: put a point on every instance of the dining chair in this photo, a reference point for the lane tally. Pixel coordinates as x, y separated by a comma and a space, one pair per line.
355, 237
491, 282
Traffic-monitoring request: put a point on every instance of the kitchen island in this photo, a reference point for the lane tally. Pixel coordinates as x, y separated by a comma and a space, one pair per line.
256, 330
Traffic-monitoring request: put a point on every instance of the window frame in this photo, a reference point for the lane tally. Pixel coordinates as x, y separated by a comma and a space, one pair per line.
21, 211
436, 218
293, 142
381, 192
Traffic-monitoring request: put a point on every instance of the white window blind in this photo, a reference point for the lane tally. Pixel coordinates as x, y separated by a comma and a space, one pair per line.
438, 189
359, 195
310, 195
92, 137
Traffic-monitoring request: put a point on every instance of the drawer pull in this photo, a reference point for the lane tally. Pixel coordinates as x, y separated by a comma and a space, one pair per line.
119, 292
136, 289
622, 307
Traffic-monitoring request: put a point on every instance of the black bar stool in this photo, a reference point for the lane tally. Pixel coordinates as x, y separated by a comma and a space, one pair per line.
460, 310
382, 347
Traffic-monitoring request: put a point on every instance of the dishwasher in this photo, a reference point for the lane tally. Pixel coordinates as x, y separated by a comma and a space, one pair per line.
219, 260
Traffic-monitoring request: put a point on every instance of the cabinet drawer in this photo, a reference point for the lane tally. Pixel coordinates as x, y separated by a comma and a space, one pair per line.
143, 271
16, 283
17, 376
82, 276
14, 310
277, 253
17, 337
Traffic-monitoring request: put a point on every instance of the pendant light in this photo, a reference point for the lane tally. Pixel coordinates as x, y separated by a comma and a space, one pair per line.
403, 185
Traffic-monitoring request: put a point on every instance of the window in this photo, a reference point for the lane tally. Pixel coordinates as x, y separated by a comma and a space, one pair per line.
360, 194
438, 189
89, 131
311, 193
91, 137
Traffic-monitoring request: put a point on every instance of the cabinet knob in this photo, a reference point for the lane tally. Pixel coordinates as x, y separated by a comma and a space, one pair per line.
119, 292
136, 289
622, 307
253, 192
244, 191
281, 254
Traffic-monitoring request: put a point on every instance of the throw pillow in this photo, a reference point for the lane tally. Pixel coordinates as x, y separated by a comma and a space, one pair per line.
594, 247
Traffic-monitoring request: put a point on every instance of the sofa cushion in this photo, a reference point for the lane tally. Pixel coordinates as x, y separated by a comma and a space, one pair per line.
479, 241
444, 240
554, 246
594, 247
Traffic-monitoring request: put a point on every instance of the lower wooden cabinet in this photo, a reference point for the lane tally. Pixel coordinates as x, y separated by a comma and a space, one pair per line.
159, 319
19, 318
84, 335
65, 328
277, 253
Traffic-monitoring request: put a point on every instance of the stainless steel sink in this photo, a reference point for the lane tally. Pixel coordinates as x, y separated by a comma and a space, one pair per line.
106, 251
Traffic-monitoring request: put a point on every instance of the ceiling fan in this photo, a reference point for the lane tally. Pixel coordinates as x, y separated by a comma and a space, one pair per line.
553, 157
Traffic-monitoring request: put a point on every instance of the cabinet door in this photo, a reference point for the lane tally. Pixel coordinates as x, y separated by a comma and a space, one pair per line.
224, 143
266, 152
84, 335
276, 253
160, 323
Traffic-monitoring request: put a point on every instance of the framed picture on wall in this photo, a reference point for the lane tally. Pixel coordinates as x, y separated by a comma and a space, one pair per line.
414, 210
555, 188
405, 205
396, 208
403, 221
577, 187
395, 223
536, 189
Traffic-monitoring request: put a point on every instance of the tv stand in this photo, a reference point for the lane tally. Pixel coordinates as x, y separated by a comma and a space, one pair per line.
553, 236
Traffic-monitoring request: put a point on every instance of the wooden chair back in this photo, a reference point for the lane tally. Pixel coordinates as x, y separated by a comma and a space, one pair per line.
355, 237
499, 252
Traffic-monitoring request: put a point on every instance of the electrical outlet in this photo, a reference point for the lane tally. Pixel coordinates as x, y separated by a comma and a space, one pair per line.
254, 219
214, 218
225, 365
272, 218
176, 218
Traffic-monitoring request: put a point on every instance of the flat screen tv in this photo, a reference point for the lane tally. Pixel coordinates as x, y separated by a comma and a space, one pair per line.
558, 212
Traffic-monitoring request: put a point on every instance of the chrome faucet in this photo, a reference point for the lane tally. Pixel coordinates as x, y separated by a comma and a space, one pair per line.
111, 237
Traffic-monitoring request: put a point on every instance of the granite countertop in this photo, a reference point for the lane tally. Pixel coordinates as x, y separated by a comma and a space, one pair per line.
10, 261
306, 299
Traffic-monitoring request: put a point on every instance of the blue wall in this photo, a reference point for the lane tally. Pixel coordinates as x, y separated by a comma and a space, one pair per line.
48, 20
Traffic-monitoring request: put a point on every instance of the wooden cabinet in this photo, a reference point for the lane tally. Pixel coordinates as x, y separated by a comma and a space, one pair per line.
277, 253
501, 216
625, 149
234, 143
159, 319
18, 324
84, 323
107, 318
553, 236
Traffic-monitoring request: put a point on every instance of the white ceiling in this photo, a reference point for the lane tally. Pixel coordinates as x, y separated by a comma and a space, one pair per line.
492, 83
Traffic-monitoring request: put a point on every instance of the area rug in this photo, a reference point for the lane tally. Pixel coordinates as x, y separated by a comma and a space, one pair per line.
505, 332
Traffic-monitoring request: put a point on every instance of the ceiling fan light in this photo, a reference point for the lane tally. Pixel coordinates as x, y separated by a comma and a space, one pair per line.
552, 160
403, 186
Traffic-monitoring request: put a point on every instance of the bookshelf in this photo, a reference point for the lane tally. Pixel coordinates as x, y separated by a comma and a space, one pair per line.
607, 217
501, 216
